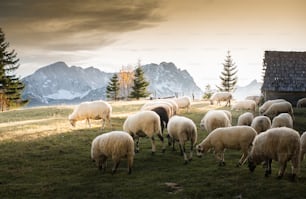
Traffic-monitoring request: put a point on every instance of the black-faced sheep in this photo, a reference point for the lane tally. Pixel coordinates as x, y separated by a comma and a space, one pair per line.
301, 103
245, 105
144, 124
277, 108
245, 119
115, 145
95, 110
279, 144
261, 123
183, 102
214, 119
235, 137
182, 129
221, 96
283, 119
267, 104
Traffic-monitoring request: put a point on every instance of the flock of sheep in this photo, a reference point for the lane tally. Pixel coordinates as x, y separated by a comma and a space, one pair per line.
261, 139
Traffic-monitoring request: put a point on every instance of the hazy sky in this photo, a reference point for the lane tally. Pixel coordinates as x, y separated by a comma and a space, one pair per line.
193, 34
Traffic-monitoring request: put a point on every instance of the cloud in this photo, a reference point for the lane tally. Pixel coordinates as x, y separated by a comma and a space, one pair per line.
80, 25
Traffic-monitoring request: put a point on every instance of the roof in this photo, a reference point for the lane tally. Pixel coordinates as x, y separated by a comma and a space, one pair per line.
284, 71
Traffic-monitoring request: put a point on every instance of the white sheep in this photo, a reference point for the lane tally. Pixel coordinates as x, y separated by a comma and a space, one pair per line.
277, 108
245, 119
183, 102
261, 123
182, 129
279, 144
255, 98
95, 110
214, 119
114, 144
235, 137
245, 105
158, 103
301, 103
303, 146
221, 96
144, 124
283, 119
267, 104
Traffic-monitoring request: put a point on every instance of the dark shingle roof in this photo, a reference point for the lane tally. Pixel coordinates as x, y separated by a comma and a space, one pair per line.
284, 71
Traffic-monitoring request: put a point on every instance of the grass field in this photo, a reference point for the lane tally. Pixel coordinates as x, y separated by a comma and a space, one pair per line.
42, 156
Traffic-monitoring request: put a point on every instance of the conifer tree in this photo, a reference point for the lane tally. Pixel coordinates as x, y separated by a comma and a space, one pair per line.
228, 75
139, 89
113, 87
10, 85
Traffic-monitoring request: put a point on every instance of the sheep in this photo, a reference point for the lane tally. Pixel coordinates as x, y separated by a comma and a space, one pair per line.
166, 105
173, 104
301, 103
142, 124
261, 124
303, 146
235, 137
182, 129
244, 105
279, 144
114, 144
221, 96
163, 115
92, 110
214, 119
245, 119
183, 102
283, 119
255, 98
277, 108
267, 104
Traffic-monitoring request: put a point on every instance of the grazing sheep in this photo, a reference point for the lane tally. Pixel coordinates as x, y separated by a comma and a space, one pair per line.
221, 96
261, 124
163, 115
283, 119
214, 119
303, 146
245, 105
166, 105
279, 144
182, 129
301, 103
277, 108
267, 104
255, 98
183, 102
92, 110
114, 144
245, 119
173, 104
235, 137
142, 124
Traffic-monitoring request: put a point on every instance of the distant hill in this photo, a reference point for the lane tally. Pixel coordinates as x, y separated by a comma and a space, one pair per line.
60, 84
253, 88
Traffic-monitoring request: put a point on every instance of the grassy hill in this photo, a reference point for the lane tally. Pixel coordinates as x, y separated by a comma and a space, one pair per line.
42, 156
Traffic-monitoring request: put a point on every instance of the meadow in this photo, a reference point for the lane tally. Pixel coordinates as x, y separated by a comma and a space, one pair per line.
42, 156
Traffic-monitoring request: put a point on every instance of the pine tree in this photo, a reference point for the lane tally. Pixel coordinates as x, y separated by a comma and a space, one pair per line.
113, 87
139, 89
10, 85
228, 75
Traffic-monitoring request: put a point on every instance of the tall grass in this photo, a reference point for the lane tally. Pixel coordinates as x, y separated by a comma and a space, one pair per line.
42, 156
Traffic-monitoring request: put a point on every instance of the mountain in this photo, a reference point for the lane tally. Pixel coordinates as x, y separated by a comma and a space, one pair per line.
253, 88
60, 84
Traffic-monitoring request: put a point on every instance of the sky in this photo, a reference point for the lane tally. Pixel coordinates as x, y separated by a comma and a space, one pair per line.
193, 34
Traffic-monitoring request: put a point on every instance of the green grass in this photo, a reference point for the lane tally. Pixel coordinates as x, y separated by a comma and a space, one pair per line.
49, 159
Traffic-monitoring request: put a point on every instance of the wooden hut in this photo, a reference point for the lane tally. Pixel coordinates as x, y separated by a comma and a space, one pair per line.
284, 75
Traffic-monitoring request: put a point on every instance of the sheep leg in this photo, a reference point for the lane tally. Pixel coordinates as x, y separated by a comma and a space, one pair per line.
183, 152
153, 145
268, 167
130, 163
282, 169
191, 150
116, 164
162, 140
242, 159
88, 122
169, 140
103, 124
137, 144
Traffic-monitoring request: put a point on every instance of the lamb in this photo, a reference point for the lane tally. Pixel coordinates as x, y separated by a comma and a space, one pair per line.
303, 146
279, 144
277, 108
92, 110
221, 96
261, 123
301, 103
235, 137
245, 119
283, 119
114, 144
245, 105
267, 104
184, 102
142, 124
255, 98
214, 119
182, 129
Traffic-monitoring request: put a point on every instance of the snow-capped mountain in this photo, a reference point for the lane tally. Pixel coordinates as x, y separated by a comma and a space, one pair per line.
58, 83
